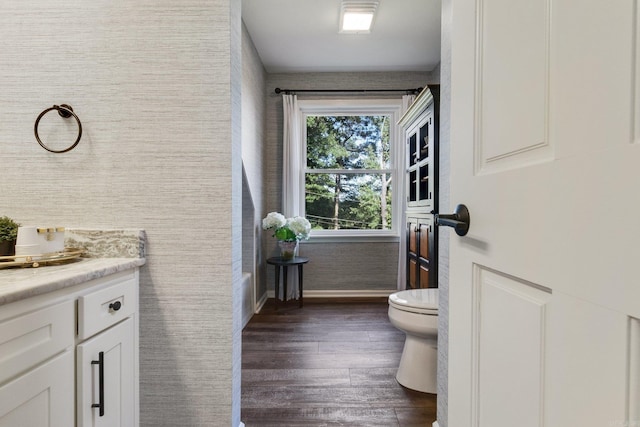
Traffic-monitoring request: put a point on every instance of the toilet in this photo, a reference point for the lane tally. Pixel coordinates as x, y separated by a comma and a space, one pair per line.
415, 312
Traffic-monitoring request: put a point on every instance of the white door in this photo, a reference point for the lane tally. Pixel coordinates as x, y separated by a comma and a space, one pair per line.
107, 401
545, 152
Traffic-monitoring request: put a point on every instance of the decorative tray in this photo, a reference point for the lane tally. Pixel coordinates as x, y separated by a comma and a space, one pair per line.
38, 260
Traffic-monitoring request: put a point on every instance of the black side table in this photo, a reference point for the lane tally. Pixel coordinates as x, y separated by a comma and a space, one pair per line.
279, 262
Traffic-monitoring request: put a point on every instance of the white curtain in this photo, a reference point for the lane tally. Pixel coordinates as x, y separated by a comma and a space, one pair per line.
291, 173
400, 187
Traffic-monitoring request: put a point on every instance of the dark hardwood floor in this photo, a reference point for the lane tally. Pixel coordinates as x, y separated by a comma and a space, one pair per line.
327, 364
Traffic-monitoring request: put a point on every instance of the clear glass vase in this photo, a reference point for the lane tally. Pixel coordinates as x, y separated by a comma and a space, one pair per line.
288, 250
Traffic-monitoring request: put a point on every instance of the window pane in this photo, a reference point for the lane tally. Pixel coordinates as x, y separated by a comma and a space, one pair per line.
348, 142
360, 201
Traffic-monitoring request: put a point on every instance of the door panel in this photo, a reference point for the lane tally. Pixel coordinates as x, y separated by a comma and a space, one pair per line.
42, 396
424, 241
424, 276
413, 268
586, 374
116, 344
510, 319
633, 399
413, 243
544, 110
512, 80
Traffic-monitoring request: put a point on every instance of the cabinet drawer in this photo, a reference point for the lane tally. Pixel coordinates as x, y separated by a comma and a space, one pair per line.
105, 307
32, 338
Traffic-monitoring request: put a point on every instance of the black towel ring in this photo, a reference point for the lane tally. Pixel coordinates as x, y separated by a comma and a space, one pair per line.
65, 111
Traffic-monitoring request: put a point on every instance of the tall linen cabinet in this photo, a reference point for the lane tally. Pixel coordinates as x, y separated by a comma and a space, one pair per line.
420, 124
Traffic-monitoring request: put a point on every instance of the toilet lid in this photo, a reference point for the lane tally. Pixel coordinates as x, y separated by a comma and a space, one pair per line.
416, 300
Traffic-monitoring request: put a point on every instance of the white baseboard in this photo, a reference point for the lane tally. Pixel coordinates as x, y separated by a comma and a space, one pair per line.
262, 302
241, 424
435, 424
379, 293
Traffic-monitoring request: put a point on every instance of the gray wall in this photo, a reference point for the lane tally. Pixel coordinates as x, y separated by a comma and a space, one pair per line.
254, 99
333, 266
446, 206
157, 87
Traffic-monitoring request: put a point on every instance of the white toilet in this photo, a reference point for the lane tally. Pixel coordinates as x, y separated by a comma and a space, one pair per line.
415, 312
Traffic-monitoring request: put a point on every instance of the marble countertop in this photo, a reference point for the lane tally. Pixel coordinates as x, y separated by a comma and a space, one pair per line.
105, 252
21, 283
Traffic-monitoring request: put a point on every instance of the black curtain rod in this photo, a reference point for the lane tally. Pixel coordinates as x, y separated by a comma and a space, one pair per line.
290, 91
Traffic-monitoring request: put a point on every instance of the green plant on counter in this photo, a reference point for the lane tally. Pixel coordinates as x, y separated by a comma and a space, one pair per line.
8, 229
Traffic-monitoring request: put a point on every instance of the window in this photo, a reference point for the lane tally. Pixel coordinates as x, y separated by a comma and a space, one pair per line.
349, 170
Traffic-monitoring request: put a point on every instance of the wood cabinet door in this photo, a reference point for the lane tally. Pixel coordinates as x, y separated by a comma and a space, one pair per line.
118, 382
42, 396
420, 254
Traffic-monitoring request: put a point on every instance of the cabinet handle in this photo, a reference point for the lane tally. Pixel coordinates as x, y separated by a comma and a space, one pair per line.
100, 363
115, 306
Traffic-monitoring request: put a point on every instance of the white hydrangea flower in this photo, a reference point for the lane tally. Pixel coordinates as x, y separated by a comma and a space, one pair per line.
273, 220
300, 226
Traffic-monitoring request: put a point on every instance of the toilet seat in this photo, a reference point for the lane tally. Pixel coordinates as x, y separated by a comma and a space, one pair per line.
420, 301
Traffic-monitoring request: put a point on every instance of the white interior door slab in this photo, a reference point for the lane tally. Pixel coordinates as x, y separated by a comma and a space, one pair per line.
545, 152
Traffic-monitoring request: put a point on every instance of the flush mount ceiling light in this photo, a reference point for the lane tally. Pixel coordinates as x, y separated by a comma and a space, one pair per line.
356, 16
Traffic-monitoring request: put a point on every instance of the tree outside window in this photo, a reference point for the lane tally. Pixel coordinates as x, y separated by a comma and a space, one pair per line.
348, 174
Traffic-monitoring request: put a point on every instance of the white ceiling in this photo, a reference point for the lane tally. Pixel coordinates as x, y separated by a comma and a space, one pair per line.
302, 36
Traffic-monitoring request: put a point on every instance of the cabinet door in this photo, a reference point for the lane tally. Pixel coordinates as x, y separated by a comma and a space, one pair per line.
115, 391
421, 253
42, 396
421, 162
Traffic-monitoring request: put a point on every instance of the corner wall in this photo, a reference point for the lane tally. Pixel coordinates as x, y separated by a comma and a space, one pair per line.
152, 83
254, 95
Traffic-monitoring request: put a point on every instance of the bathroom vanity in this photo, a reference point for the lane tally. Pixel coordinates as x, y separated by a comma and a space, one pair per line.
69, 344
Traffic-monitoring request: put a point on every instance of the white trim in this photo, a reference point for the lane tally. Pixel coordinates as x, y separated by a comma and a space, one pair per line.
351, 238
339, 293
416, 108
389, 107
241, 424
435, 424
262, 302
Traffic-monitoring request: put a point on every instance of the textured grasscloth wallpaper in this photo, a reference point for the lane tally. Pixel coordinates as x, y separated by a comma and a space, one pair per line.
254, 96
333, 266
153, 83
445, 206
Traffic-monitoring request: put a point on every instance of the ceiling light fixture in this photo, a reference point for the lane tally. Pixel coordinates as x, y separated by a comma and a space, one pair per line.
356, 16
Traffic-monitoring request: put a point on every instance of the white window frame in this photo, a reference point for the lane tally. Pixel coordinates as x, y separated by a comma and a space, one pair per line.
359, 107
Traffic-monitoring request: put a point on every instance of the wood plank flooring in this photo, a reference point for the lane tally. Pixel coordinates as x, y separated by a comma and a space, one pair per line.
327, 364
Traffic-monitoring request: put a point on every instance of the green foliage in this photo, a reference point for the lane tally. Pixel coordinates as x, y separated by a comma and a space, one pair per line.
348, 200
8, 229
285, 234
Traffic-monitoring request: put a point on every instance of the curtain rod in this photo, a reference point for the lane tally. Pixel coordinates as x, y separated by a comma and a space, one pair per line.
290, 91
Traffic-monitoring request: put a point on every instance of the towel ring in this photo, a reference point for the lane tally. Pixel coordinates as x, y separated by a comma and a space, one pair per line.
64, 111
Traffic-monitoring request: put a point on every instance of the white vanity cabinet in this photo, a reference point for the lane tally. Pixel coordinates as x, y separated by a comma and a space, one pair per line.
69, 357
36, 366
106, 356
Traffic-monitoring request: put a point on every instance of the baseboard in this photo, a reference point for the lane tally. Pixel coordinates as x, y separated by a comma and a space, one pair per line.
262, 302
378, 293
242, 424
435, 424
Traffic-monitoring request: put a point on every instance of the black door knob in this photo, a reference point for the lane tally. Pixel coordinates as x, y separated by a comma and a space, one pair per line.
115, 306
459, 220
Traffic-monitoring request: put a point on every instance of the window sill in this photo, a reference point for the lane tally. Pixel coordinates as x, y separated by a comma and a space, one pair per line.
352, 238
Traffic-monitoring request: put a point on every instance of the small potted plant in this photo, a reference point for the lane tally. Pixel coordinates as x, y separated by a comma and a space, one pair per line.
288, 231
8, 235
